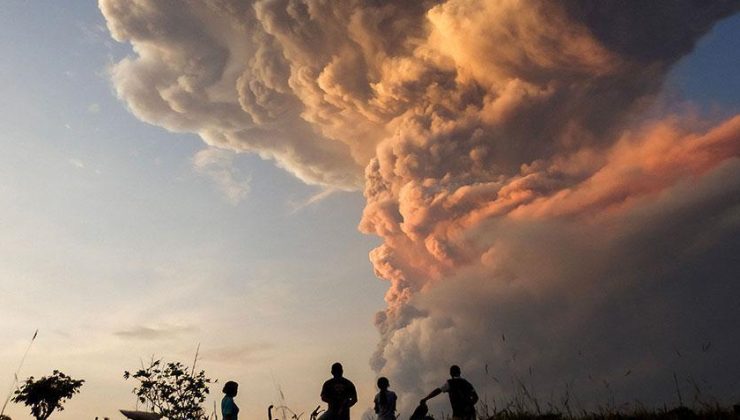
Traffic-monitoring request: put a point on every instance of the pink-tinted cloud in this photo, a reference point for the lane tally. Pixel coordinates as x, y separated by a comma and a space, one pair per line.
507, 168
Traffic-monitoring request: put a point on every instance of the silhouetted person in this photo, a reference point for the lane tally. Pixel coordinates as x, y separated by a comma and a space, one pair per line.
462, 395
229, 410
339, 393
385, 401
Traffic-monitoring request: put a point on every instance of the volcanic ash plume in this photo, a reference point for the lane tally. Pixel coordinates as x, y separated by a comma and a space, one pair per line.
541, 223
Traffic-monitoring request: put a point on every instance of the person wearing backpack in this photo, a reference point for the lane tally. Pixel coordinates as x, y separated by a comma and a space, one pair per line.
462, 395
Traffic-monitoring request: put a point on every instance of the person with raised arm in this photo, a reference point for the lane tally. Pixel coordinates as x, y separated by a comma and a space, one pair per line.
462, 395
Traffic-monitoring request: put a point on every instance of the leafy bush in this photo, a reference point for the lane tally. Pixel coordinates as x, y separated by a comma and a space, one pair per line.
170, 390
47, 394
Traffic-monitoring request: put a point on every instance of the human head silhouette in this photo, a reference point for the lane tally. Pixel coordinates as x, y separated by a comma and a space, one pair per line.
231, 388
455, 371
383, 383
336, 370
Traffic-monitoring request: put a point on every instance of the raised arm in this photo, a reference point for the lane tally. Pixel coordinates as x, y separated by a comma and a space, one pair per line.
431, 395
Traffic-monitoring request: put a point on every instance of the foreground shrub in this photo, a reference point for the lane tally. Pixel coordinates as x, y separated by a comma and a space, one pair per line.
47, 394
170, 390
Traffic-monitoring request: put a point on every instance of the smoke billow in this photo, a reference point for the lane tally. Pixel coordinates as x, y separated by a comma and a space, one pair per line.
536, 225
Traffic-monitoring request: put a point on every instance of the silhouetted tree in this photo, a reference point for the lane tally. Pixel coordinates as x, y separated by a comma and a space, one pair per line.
47, 394
4, 417
170, 390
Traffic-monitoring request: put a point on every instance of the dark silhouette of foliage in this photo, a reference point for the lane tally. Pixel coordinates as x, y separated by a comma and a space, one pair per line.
170, 390
47, 394
4, 417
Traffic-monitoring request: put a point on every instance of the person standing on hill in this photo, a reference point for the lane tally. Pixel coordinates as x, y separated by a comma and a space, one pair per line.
385, 401
339, 393
462, 395
229, 410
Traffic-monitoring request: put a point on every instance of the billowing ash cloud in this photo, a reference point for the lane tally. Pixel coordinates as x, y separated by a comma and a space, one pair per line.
537, 227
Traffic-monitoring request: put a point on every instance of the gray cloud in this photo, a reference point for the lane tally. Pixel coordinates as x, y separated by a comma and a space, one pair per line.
142, 332
188, 65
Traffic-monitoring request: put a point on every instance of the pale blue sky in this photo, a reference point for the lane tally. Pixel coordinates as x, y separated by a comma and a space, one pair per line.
108, 230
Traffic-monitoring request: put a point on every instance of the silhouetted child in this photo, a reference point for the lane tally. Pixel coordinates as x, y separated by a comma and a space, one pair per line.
385, 401
229, 409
